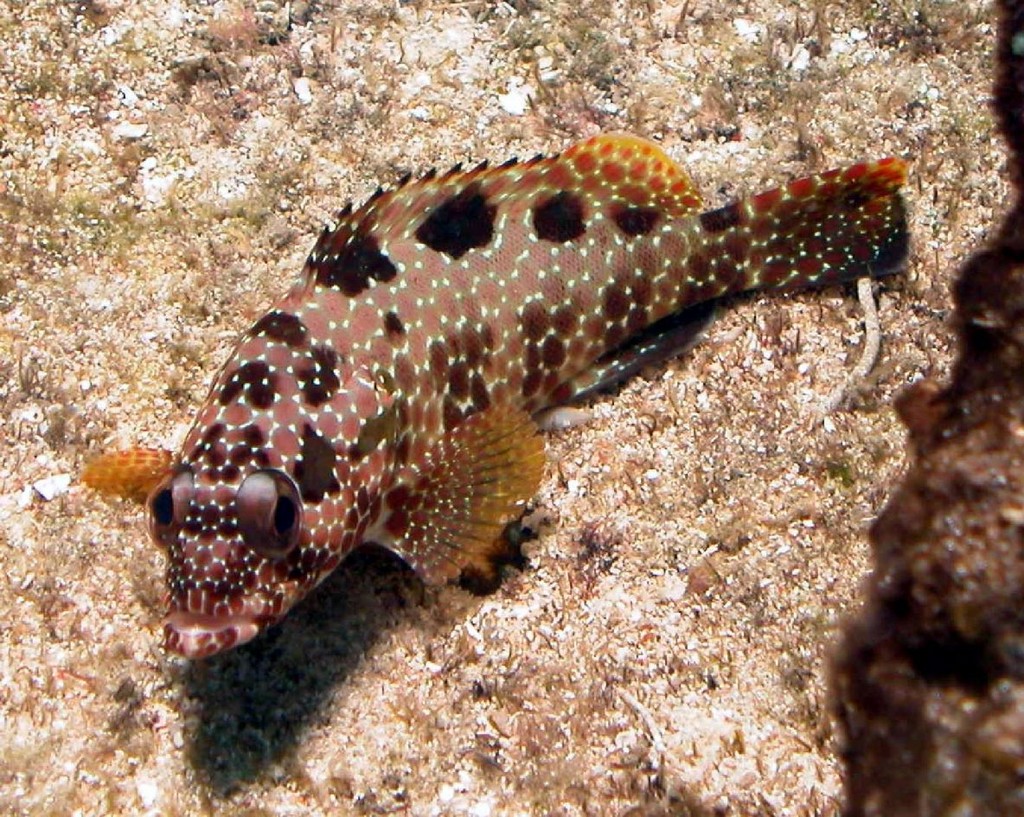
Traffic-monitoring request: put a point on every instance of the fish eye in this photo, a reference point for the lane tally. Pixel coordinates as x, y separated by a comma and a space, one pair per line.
169, 505
284, 515
269, 513
162, 507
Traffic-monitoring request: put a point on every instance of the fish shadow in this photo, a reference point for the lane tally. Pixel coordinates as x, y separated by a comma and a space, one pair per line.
255, 703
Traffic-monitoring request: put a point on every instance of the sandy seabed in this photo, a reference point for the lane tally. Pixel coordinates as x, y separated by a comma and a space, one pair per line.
165, 168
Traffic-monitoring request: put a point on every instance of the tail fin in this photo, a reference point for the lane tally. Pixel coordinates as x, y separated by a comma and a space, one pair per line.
819, 230
130, 474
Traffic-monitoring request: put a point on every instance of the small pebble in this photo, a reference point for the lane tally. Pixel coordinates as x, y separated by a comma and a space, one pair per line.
50, 488
127, 96
800, 60
147, 792
515, 102
751, 32
302, 90
130, 130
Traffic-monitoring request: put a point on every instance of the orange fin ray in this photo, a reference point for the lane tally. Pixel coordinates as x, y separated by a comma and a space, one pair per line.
477, 479
129, 474
638, 171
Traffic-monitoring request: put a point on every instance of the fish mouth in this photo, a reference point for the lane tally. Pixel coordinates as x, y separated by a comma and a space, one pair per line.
198, 635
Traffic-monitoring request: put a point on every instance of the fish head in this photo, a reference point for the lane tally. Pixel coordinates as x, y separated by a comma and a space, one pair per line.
277, 481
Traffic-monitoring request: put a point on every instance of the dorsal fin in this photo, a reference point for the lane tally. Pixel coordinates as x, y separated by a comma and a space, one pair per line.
659, 188
656, 181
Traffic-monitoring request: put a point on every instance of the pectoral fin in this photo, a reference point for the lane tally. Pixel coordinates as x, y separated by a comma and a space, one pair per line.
449, 522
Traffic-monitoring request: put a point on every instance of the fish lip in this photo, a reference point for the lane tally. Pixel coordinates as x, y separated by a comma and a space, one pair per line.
199, 635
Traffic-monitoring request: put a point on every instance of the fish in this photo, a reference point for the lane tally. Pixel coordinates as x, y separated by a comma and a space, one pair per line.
131, 473
394, 394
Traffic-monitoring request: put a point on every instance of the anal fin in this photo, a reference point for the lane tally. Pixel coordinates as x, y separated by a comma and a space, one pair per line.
662, 340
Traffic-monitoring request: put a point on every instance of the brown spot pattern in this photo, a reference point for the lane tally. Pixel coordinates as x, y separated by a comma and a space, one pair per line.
437, 358
210, 436
735, 245
217, 454
531, 358
472, 347
531, 382
637, 319
553, 352
314, 471
634, 221
720, 220
460, 224
458, 380
614, 335
253, 436
564, 320
616, 302
534, 321
560, 218
402, 449
641, 291
282, 327
700, 266
393, 325
258, 382
359, 262
405, 374
487, 337
478, 392
451, 413
317, 376
855, 199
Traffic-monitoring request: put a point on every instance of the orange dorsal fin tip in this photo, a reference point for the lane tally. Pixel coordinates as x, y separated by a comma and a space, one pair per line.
894, 169
479, 477
639, 168
130, 474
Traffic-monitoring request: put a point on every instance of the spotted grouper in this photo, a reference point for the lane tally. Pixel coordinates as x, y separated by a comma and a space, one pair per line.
393, 394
